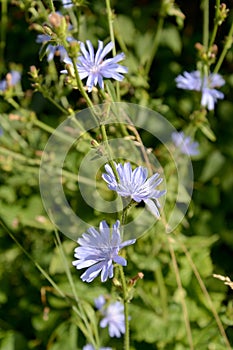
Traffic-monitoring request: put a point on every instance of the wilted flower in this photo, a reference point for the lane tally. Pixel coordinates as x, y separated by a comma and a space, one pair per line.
134, 184
113, 316
206, 84
185, 144
98, 250
12, 78
95, 67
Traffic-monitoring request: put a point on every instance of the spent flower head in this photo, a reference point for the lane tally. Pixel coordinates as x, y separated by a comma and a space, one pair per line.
185, 144
113, 316
206, 85
135, 184
98, 250
95, 67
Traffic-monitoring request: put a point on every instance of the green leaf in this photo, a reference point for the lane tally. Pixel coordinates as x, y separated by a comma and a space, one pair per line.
123, 25
56, 265
14, 341
212, 166
143, 47
111, 90
170, 37
205, 128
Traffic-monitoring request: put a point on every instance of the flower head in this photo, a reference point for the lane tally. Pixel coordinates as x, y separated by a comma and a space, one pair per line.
95, 67
67, 3
207, 84
98, 250
185, 143
134, 184
12, 78
53, 50
113, 316
91, 347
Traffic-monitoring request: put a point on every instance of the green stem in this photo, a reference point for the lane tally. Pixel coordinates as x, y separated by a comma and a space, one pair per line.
36, 163
227, 46
207, 296
80, 86
18, 156
52, 8
46, 275
109, 152
44, 126
206, 24
112, 37
214, 32
162, 291
110, 24
181, 293
125, 212
43, 272
124, 285
12, 102
121, 125
72, 285
3, 33
126, 309
155, 45
102, 126
48, 97
51, 130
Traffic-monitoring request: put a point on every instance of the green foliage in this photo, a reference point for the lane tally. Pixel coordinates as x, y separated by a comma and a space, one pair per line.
44, 304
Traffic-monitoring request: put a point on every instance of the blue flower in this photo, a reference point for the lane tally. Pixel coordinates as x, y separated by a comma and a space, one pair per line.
206, 84
100, 302
135, 185
113, 316
98, 251
94, 67
185, 144
12, 78
91, 347
53, 50
67, 3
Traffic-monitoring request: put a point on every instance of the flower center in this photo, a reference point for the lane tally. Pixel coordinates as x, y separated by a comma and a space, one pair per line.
94, 69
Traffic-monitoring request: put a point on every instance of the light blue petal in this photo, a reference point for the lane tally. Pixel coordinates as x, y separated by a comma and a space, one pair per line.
120, 260
152, 207
92, 272
103, 52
